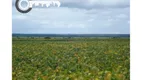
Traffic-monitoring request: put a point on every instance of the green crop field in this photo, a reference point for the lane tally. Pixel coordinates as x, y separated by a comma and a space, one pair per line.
71, 59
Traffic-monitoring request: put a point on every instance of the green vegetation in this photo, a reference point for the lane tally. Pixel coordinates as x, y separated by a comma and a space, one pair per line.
70, 59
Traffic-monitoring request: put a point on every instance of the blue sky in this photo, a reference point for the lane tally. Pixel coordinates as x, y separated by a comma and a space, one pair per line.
75, 17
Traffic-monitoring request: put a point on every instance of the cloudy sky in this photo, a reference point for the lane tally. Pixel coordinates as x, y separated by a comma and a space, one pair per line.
75, 17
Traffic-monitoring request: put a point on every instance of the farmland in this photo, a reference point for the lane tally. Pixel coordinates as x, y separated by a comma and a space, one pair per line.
71, 59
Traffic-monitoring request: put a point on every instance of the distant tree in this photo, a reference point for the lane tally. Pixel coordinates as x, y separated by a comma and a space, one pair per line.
18, 37
115, 37
69, 37
32, 37
47, 38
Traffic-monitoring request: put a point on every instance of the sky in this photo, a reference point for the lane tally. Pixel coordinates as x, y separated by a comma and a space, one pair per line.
75, 17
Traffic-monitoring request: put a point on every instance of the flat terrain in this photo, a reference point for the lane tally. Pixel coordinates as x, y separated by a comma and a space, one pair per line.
71, 59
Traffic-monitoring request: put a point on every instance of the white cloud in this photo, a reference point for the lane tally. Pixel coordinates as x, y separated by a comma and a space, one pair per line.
19, 17
96, 3
122, 16
74, 20
90, 20
89, 4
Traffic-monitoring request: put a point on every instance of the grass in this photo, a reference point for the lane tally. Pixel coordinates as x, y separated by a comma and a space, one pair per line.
71, 59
